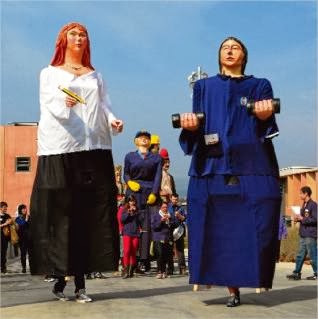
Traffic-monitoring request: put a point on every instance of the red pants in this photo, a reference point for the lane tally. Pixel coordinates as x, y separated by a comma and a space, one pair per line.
130, 249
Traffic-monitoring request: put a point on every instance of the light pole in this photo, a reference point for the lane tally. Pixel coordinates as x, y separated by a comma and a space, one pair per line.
196, 75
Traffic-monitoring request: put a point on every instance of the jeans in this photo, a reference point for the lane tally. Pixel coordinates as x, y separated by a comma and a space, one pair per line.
306, 245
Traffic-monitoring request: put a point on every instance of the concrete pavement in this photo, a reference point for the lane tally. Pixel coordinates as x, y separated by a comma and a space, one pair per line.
25, 296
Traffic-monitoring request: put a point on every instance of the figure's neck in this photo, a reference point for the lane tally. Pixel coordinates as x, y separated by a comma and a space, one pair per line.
143, 150
233, 72
73, 57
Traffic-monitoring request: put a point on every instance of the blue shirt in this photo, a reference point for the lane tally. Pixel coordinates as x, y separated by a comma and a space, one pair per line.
245, 146
172, 211
131, 224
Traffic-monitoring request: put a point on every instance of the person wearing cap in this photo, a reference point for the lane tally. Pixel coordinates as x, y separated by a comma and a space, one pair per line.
234, 193
142, 174
154, 144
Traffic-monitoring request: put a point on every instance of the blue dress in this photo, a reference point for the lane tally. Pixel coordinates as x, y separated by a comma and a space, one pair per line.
233, 195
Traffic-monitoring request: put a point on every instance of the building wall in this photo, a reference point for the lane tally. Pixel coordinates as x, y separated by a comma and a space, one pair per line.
16, 187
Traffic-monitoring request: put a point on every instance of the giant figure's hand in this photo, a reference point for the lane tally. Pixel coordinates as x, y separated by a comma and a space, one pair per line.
263, 109
151, 199
134, 186
117, 125
189, 121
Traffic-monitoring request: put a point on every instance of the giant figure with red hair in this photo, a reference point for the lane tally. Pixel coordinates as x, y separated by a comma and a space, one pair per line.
73, 204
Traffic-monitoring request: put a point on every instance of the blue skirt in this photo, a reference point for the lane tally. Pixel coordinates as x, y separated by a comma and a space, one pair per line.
233, 230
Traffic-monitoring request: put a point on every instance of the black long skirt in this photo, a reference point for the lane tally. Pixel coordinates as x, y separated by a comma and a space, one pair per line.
73, 225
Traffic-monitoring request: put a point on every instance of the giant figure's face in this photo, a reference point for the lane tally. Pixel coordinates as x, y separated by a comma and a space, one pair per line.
231, 54
76, 39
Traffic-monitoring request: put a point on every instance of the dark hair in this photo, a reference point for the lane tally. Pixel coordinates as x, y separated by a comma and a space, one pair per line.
20, 207
244, 51
175, 195
164, 202
306, 190
129, 199
2, 204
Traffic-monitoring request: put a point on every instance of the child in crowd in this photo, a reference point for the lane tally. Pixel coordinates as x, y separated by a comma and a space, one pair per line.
131, 220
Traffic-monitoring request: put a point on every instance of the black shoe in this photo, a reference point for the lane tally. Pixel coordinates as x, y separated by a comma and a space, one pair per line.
313, 277
234, 300
23, 270
89, 276
294, 276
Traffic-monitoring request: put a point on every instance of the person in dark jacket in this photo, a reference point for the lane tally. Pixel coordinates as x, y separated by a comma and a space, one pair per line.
23, 232
180, 216
5, 220
131, 224
162, 225
307, 234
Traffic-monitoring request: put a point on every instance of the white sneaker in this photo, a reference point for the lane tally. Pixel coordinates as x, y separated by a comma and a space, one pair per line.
81, 297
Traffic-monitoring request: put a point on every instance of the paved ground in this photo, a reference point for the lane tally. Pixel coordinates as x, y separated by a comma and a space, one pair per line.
25, 296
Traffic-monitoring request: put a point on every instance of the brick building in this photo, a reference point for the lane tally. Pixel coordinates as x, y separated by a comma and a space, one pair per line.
292, 179
18, 162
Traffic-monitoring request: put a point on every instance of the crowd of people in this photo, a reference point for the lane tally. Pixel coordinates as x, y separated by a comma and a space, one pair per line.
77, 229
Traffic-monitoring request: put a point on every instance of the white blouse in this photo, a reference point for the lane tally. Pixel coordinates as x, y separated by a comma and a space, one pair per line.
82, 127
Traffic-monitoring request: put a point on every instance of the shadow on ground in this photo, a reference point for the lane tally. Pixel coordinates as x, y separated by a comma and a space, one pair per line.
274, 297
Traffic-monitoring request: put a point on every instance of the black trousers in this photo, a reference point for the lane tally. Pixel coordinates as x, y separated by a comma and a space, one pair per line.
179, 245
23, 244
79, 282
164, 253
4, 248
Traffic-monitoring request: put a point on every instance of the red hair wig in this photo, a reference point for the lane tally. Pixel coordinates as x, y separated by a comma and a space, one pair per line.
61, 43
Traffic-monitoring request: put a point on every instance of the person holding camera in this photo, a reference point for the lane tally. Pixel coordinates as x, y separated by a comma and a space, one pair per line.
5, 221
233, 193
180, 217
162, 225
308, 235
131, 224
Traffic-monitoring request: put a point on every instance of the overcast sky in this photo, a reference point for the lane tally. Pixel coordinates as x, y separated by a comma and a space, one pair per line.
146, 50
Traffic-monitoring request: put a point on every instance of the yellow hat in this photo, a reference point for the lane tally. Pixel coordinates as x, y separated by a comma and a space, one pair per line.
155, 139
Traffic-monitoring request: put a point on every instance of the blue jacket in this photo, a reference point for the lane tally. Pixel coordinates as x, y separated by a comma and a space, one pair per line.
131, 224
23, 227
308, 226
245, 146
162, 230
146, 171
